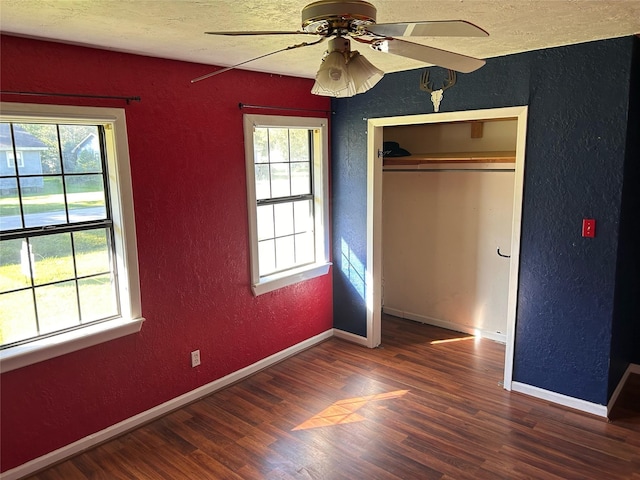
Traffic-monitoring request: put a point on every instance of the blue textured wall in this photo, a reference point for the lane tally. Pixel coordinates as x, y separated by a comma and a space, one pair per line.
578, 102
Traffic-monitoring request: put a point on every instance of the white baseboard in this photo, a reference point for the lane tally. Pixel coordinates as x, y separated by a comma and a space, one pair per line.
456, 327
632, 368
571, 402
156, 412
350, 337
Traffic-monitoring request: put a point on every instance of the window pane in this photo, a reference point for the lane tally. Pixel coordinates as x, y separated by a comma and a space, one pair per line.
285, 253
267, 257
265, 222
15, 270
283, 213
9, 204
80, 149
85, 198
53, 258
57, 306
39, 146
303, 217
92, 252
278, 145
263, 182
305, 248
299, 145
280, 181
43, 201
17, 317
300, 178
260, 146
97, 298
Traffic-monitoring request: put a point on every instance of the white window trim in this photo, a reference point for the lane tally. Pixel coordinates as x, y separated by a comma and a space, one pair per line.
126, 252
321, 266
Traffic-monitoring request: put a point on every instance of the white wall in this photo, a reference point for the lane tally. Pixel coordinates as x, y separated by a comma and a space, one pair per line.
440, 234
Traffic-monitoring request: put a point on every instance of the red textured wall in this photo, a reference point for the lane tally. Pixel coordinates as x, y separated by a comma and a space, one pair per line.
187, 163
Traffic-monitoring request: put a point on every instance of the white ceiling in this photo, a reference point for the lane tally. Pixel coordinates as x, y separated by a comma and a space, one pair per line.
175, 28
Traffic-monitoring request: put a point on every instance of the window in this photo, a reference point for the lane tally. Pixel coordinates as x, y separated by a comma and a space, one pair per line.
68, 260
11, 163
287, 194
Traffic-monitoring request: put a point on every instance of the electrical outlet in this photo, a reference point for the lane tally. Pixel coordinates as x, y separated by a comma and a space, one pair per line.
195, 358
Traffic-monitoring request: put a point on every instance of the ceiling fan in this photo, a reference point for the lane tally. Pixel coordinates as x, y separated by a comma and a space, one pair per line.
344, 73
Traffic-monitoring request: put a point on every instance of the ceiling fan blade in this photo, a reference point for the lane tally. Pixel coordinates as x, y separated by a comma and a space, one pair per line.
226, 69
259, 32
423, 53
445, 28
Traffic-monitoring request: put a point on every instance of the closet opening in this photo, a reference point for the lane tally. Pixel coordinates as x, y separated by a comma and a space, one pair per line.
443, 228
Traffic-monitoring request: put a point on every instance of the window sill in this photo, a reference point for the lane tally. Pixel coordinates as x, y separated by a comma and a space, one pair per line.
47, 348
290, 277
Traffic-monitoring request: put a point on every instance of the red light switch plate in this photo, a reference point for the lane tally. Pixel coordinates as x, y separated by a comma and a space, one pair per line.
588, 227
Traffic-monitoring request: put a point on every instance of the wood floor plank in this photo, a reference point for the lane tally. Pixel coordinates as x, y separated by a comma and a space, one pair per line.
427, 404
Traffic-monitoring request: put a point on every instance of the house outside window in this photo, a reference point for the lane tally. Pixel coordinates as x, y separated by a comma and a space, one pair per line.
22, 154
286, 159
68, 260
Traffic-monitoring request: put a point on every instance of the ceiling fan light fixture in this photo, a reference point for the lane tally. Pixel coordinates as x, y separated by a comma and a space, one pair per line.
332, 79
344, 73
363, 73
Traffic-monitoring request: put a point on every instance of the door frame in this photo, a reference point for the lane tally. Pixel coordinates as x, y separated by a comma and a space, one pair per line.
373, 280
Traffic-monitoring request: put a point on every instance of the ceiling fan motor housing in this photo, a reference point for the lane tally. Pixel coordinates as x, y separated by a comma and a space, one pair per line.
339, 44
337, 16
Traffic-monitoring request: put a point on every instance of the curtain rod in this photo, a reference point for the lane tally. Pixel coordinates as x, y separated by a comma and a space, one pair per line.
76, 95
267, 107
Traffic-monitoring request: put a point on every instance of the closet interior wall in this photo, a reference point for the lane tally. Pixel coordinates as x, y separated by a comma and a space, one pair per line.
446, 210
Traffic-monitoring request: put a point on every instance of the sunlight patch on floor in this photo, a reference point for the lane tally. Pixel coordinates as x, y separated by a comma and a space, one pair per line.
449, 340
345, 411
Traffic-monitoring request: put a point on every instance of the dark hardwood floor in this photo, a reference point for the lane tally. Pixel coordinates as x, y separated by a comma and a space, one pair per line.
427, 404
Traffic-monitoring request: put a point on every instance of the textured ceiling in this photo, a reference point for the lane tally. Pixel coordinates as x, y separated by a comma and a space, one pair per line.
175, 28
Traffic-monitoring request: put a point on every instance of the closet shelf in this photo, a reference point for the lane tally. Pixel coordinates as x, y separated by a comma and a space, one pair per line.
452, 157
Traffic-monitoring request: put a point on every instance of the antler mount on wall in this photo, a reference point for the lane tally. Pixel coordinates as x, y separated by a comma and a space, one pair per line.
437, 95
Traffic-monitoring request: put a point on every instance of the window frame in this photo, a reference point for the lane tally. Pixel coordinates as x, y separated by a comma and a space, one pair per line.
320, 184
125, 255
